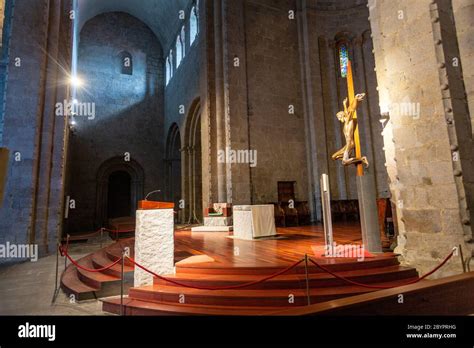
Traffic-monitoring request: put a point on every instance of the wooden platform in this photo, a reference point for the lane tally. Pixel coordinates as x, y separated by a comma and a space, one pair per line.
238, 262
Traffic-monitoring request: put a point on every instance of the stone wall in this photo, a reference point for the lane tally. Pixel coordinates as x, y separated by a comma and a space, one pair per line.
32, 209
426, 150
129, 114
274, 86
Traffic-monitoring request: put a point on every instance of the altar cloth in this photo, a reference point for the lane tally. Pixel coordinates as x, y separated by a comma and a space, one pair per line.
254, 221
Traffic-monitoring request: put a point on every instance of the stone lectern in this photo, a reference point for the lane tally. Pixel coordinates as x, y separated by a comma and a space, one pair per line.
154, 240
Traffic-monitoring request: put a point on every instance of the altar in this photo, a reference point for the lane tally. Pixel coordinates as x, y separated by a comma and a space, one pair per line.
254, 221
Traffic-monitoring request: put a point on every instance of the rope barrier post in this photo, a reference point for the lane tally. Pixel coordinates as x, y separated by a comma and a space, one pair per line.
55, 294
67, 246
122, 312
461, 255
307, 279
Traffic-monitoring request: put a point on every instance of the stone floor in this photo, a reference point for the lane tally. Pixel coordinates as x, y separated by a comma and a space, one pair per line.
27, 288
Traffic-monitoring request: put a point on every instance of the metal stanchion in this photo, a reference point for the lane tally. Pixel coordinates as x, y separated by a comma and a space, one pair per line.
56, 288
122, 312
326, 205
307, 279
461, 255
65, 257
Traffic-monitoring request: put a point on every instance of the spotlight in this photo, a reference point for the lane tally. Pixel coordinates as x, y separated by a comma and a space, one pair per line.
75, 81
75, 101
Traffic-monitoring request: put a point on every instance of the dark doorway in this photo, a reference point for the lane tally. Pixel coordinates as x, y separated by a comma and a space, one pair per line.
119, 196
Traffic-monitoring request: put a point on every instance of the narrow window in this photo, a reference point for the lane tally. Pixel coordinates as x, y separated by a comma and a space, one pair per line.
193, 25
183, 41
179, 51
343, 59
169, 69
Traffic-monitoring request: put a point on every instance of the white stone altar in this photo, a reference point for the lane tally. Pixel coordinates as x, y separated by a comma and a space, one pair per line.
154, 244
254, 221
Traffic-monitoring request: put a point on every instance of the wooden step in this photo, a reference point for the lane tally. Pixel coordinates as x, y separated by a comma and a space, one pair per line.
239, 297
335, 265
370, 275
136, 307
114, 251
93, 279
72, 285
100, 260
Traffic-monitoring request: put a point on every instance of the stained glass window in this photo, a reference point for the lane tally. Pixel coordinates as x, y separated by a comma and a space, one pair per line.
343, 60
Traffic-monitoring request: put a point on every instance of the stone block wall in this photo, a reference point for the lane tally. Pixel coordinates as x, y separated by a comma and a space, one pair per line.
273, 88
425, 155
32, 210
463, 15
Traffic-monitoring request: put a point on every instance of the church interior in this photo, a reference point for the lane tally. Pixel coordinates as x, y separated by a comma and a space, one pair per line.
236, 157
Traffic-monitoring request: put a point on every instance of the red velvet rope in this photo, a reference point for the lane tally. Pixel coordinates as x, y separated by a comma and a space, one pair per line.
117, 231
218, 288
74, 262
381, 286
64, 252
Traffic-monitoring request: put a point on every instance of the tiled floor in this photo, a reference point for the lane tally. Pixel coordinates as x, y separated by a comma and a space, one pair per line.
27, 288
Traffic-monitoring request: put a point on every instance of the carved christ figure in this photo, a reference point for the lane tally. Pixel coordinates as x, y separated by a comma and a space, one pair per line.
350, 124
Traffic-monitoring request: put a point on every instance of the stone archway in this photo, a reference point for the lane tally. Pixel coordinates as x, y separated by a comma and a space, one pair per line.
106, 170
192, 165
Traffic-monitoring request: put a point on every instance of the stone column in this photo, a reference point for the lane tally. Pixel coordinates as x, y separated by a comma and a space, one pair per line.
463, 13
33, 206
239, 188
308, 105
220, 100
421, 141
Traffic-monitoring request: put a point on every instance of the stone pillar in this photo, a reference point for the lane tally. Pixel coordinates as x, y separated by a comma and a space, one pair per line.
37, 139
154, 244
463, 14
421, 137
239, 187
220, 100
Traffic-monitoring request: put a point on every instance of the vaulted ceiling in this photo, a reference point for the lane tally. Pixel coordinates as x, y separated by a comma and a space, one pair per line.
162, 16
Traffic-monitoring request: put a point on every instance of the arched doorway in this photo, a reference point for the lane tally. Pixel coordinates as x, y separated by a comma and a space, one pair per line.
119, 195
173, 168
119, 188
192, 165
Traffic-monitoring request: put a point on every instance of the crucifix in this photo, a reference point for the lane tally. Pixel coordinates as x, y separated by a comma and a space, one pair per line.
365, 188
